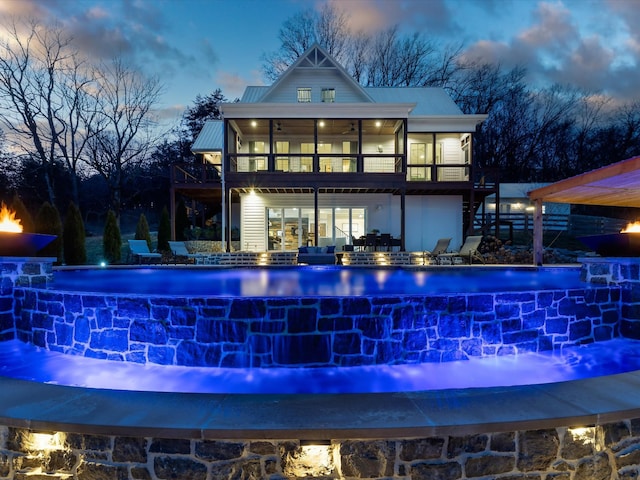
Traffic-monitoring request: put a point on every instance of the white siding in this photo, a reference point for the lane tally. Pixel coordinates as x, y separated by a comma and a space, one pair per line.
430, 218
316, 79
252, 229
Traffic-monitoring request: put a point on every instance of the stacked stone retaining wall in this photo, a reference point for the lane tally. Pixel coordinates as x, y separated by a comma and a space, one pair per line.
605, 452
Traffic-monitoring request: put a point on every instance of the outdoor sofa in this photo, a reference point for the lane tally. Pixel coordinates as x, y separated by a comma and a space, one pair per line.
317, 255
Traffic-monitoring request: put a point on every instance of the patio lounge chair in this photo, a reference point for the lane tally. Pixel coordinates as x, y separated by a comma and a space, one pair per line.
179, 251
466, 254
442, 245
141, 254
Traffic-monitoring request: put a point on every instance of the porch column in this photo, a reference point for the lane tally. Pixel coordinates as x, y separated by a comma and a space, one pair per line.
316, 214
172, 206
402, 220
538, 248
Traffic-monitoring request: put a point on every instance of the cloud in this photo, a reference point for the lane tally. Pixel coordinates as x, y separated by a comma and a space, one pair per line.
234, 84
553, 29
370, 16
569, 46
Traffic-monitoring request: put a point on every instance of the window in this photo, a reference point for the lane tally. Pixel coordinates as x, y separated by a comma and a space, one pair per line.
306, 163
282, 162
304, 95
328, 95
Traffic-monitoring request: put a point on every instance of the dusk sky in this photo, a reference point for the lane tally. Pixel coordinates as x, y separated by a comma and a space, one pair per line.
196, 46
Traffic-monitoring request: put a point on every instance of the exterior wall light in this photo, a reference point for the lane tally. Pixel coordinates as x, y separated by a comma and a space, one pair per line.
313, 459
586, 436
44, 442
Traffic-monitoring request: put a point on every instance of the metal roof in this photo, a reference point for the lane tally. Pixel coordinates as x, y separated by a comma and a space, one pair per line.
616, 185
210, 138
427, 100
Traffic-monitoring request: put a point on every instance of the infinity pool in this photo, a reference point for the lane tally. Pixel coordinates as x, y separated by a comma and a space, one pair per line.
309, 281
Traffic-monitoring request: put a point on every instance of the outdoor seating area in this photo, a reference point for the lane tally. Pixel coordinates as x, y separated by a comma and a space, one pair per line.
466, 255
181, 254
439, 255
376, 242
139, 253
317, 255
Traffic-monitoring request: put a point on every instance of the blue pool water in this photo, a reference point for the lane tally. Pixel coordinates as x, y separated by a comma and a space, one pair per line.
24, 361
309, 281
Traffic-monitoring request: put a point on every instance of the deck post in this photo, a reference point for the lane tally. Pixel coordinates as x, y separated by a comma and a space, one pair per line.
538, 247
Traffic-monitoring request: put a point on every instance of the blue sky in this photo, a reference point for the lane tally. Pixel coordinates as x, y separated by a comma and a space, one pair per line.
196, 46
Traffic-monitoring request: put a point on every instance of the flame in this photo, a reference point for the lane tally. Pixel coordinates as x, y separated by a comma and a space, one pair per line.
8, 222
631, 228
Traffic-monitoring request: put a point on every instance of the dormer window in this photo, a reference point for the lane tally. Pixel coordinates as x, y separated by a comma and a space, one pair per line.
304, 95
328, 95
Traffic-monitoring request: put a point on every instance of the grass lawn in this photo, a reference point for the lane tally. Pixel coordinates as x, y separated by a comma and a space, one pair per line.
95, 255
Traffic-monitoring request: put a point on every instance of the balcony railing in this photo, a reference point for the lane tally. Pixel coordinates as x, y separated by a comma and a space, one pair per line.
193, 173
190, 173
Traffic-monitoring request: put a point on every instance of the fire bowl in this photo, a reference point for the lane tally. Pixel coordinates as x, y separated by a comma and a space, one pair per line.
23, 244
614, 244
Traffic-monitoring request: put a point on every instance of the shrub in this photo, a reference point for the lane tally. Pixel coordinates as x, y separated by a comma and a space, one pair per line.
111, 239
181, 221
22, 214
164, 231
48, 221
142, 230
73, 237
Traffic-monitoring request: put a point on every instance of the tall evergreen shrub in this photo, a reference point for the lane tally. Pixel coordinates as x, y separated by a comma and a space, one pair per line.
22, 214
182, 221
164, 231
142, 230
48, 221
111, 239
73, 237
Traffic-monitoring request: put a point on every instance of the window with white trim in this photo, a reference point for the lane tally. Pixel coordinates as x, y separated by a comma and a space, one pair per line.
304, 95
328, 95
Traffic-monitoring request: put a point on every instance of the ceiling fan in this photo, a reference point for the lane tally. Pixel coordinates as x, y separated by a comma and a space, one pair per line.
352, 129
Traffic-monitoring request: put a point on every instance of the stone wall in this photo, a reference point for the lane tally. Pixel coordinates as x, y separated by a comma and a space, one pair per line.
606, 452
289, 331
623, 273
19, 272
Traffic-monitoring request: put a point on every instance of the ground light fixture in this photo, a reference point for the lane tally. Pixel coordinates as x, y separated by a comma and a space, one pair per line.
314, 458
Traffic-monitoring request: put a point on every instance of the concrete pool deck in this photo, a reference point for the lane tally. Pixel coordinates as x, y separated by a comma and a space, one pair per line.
45, 407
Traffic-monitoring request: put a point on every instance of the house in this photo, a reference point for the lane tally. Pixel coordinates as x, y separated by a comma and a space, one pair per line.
317, 159
515, 210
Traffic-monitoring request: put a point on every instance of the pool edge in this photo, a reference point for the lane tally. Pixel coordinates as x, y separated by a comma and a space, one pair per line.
592, 401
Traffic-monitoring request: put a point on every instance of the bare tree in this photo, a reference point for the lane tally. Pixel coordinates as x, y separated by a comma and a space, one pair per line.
478, 87
43, 87
383, 59
124, 130
328, 28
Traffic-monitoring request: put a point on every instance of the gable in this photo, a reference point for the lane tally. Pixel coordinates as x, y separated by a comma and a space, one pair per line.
315, 70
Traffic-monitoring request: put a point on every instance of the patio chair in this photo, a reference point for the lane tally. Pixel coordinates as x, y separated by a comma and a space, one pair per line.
179, 251
466, 254
442, 245
385, 242
140, 252
370, 240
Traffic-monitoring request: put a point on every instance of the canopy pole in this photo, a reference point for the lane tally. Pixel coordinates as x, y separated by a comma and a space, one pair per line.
538, 247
